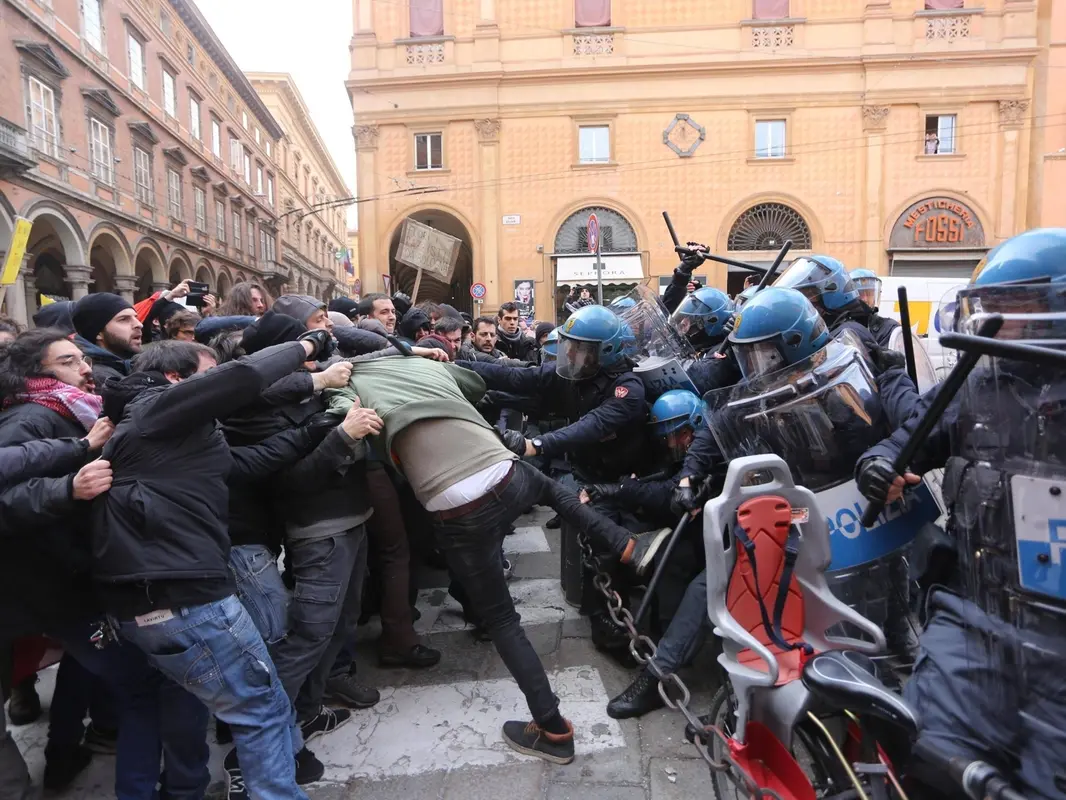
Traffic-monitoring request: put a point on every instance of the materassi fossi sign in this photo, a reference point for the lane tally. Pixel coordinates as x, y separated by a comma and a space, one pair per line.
426, 248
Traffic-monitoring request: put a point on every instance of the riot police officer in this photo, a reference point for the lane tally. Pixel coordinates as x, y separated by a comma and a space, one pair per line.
826, 283
703, 318
990, 681
691, 259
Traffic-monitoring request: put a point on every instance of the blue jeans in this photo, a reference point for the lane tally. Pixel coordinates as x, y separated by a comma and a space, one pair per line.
260, 589
155, 717
215, 652
687, 629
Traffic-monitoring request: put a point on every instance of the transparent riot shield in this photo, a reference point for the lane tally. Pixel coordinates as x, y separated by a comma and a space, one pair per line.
659, 350
923, 365
820, 415
1006, 484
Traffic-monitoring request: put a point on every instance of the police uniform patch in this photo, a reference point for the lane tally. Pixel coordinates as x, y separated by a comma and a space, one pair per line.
621, 392
569, 325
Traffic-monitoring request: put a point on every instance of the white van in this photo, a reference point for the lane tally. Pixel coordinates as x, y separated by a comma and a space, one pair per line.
925, 296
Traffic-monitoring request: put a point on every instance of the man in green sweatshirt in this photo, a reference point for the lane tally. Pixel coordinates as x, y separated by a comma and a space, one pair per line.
475, 488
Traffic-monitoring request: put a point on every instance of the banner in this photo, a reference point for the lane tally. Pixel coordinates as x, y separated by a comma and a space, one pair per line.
15, 251
525, 297
428, 249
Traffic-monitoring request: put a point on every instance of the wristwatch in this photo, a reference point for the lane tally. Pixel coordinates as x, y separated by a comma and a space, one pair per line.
538, 443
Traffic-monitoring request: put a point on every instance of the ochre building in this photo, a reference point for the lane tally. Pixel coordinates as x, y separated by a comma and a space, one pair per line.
907, 136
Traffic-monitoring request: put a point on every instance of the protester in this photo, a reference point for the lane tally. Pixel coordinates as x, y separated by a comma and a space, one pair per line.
181, 326
380, 307
56, 315
246, 300
511, 340
109, 333
346, 306
9, 329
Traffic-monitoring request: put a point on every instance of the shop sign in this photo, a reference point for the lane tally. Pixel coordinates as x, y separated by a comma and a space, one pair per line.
937, 223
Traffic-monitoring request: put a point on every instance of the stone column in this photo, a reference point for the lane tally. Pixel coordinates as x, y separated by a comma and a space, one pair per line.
1012, 116
371, 263
160, 286
874, 123
126, 286
79, 278
29, 287
15, 297
488, 134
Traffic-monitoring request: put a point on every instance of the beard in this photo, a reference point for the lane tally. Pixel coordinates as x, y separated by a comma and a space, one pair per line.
122, 347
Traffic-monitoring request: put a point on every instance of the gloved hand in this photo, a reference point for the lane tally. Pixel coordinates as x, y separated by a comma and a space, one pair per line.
322, 341
691, 258
885, 358
599, 492
730, 324
690, 498
514, 441
879, 482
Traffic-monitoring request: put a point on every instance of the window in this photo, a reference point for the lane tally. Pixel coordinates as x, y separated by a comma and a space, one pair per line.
216, 137
244, 119
269, 149
43, 124
135, 48
100, 151
190, 55
270, 189
170, 94
236, 155
262, 244
429, 149
174, 193
164, 22
942, 5
200, 203
247, 167
594, 144
427, 18
142, 175
939, 134
236, 230
257, 141
251, 236
259, 179
194, 117
93, 24
770, 138
770, 9
220, 220
231, 104
592, 13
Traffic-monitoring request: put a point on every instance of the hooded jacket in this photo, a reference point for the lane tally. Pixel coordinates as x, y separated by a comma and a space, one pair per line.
106, 365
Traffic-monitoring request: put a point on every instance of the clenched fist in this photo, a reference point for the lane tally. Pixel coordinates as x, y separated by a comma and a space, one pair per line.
100, 433
93, 479
334, 377
361, 422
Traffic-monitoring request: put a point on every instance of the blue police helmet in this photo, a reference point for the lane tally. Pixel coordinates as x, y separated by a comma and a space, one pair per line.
550, 348
776, 328
593, 338
702, 317
868, 285
675, 409
822, 279
623, 303
1030, 256
744, 297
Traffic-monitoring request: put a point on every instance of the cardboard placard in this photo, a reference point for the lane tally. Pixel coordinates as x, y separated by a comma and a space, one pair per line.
428, 249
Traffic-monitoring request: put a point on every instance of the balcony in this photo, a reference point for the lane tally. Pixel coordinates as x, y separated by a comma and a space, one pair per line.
15, 155
948, 26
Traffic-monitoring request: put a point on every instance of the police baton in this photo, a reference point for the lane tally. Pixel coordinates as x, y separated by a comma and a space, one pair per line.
908, 342
945, 393
670, 227
646, 600
772, 272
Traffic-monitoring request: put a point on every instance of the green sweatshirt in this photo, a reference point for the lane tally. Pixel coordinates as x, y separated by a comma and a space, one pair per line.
405, 391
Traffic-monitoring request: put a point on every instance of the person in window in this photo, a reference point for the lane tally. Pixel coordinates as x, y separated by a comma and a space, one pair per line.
932, 144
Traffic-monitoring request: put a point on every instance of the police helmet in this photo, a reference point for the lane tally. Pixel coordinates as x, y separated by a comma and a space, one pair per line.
777, 327
744, 297
550, 349
675, 418
822, 279
593, 339
622, 304
868, 285
702, 317
1023, 280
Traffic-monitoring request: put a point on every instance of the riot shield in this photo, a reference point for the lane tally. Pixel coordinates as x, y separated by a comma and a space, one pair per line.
650, 323
923, 365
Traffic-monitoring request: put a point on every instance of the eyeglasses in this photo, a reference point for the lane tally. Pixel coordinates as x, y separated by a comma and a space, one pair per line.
71, 361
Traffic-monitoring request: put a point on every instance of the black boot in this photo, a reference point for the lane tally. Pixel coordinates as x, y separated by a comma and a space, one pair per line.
639, 698
24, 706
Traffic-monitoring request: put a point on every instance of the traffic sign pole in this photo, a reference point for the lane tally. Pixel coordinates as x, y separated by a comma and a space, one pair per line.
592, 235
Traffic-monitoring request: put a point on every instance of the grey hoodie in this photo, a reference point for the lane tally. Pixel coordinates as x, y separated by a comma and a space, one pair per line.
298, 306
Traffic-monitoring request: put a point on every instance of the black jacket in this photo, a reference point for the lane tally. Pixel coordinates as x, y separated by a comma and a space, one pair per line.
160, 535
517, 345
44, 541
106, 365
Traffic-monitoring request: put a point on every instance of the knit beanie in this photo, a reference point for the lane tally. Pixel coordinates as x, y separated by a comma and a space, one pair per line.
270, 329
92, 313
345, 305
298, 306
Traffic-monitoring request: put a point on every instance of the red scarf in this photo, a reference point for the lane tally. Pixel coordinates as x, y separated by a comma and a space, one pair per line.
64, 399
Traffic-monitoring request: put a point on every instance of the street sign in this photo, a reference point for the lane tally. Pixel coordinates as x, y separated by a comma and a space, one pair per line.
15, 251
478, 291
512, 219
593, 233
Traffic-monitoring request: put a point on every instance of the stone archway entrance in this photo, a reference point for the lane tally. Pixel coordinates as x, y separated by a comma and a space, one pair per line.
758, 234
457, 291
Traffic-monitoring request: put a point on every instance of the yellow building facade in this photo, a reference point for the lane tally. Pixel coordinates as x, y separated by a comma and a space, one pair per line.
895, 137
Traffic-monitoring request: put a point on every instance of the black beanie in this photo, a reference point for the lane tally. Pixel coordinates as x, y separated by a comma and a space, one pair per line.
542, 329
55, 315
270, 329
92, 313
344, 305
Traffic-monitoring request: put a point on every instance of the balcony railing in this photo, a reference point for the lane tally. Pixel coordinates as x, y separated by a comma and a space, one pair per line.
593, 44
419, 55
947, 28
15, 153
772, 37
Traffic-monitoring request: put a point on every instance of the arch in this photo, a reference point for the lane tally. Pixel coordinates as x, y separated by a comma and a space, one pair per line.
204, 274
123, 259
300, 285
223, 284
149, 268
982, 215
180, 267
109, 257
393, 227
802, 209
609, 203
766, 227
617, 234
64, 227
240, 278
455, 292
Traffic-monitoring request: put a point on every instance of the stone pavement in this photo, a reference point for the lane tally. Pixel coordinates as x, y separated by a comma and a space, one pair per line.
436, 733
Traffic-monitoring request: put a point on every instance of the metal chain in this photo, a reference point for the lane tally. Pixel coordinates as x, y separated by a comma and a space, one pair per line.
644, 651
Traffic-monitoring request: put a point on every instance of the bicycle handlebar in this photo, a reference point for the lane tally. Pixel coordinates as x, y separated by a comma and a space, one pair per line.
980, 781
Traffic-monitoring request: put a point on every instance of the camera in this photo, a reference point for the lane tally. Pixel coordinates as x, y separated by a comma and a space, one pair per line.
197, 290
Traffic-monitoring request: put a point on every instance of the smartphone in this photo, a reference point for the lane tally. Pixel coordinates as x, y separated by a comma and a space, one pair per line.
195, 287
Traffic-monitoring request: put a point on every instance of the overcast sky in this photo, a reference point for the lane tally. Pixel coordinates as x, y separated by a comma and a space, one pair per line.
286, 36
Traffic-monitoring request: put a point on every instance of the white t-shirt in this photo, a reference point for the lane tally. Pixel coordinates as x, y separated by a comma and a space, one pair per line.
469, 489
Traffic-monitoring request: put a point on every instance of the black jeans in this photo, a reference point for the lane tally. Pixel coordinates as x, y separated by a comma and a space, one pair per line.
471, 543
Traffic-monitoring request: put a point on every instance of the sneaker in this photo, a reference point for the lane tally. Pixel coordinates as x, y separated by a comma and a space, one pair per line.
347, 691
325, 721
508, 569
101, 740
418, 657
235, 789
532, 740
24, 705
308, 768
643, 548
63, 766
639, 698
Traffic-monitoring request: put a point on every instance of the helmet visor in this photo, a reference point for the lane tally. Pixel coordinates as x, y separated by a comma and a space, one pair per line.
577, 360
1033, 314
869, 290
806, 276
758, 358
694, 316
678, 442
